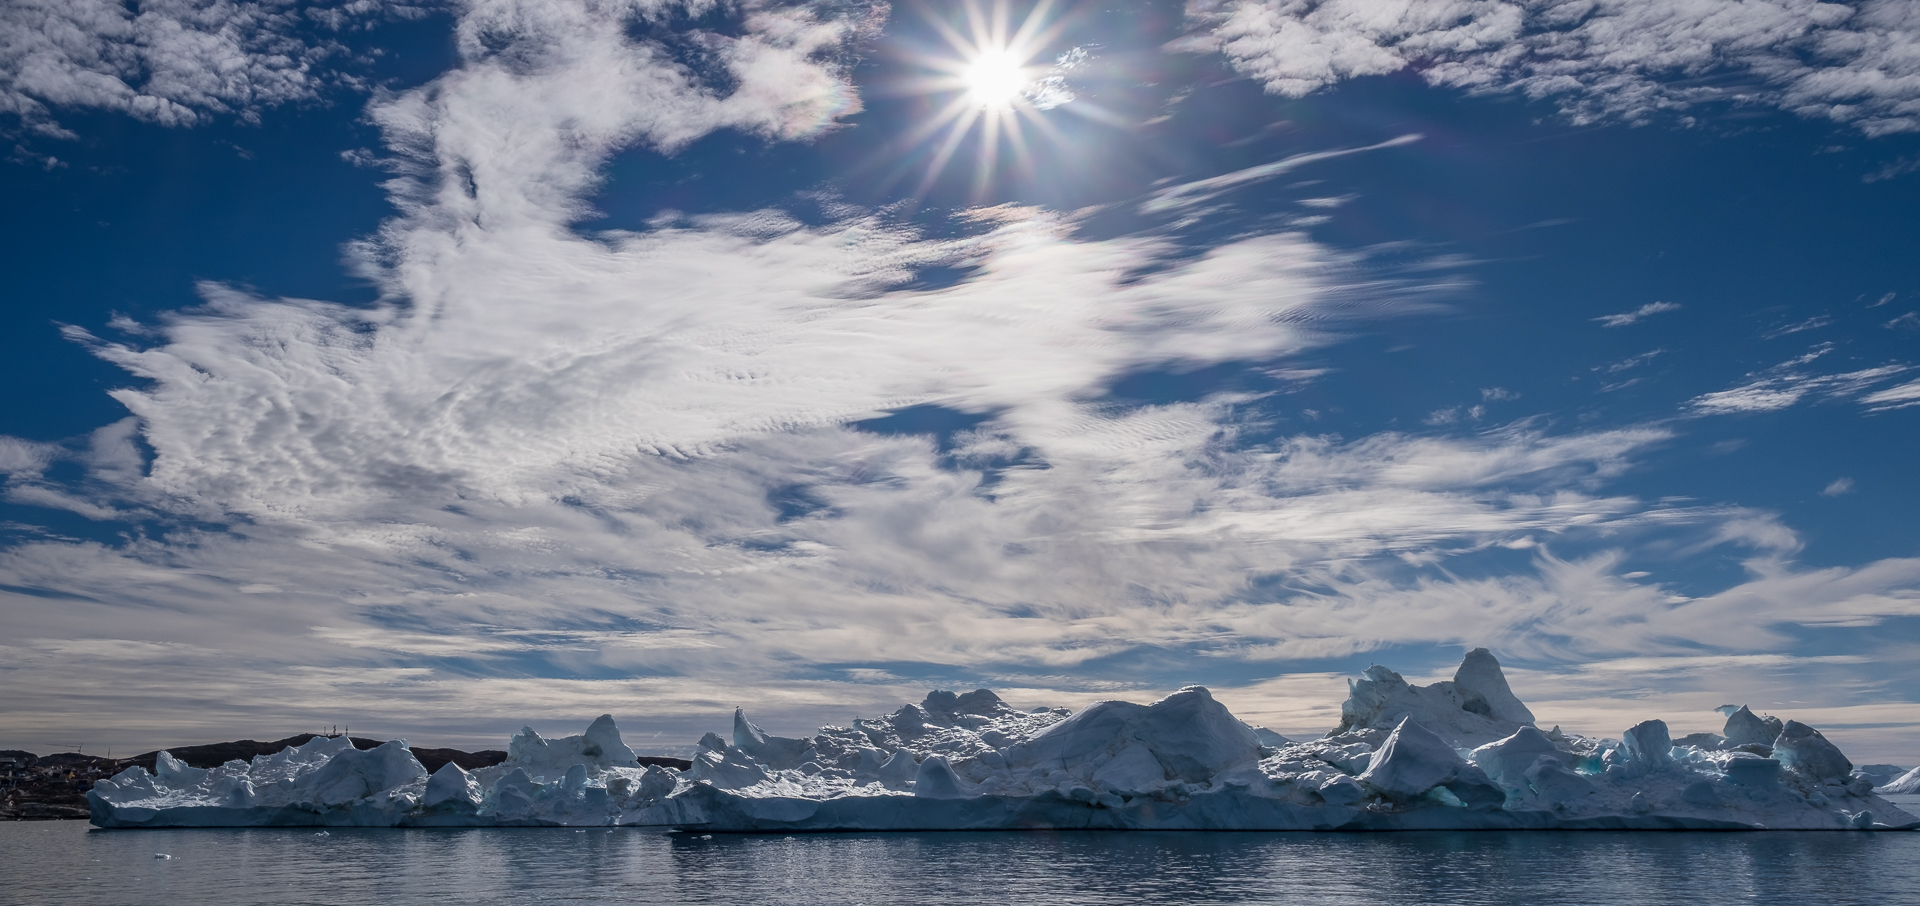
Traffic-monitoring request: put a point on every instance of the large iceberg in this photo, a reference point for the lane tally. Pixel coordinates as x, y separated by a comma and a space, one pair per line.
1463, 754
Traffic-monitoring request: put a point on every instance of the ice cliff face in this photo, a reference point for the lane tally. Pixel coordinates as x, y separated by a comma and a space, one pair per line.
1459, 754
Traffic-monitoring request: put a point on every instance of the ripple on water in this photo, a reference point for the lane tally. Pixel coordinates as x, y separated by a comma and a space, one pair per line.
66, 862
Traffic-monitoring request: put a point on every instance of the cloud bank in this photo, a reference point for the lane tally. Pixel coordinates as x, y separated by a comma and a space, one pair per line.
1851, 63
173, 62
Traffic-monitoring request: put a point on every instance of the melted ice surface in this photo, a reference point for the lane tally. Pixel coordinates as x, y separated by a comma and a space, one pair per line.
1459, 754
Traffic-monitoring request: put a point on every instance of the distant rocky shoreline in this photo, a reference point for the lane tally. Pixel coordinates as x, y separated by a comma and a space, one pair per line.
54, 787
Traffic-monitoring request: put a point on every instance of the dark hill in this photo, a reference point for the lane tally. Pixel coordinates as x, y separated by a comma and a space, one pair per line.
220, 753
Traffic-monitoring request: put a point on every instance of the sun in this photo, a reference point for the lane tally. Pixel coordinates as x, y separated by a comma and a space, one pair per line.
995, 83
996, 79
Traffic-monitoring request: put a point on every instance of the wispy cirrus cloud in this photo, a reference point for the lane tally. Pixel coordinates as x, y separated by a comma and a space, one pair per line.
1813, 323
1637, 315
1897, 168
1790, 382
1900, 397
26, 458
1188, 194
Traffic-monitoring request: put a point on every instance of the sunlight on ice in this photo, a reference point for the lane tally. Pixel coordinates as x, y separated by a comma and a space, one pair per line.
1460, 754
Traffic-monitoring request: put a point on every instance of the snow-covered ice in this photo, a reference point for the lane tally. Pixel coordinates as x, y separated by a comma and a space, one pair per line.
1907, 784
1457, 754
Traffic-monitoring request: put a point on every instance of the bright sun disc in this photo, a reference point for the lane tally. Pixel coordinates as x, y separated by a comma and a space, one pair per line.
995, 79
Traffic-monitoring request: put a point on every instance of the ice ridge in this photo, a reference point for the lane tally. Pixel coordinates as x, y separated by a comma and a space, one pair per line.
1463, 754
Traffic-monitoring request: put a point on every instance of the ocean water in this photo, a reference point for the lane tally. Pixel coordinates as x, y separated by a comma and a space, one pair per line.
66, 862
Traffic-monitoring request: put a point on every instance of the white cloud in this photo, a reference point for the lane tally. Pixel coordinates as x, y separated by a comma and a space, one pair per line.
1574, 610
1784, 385
1629, 317
1888, 171
179, 62
174, 62
109, 456
1756, 397
1838, 487
1632, 361
1188, 194
1857, 64
25, 457
1900, 397
1332, 201
1813, 323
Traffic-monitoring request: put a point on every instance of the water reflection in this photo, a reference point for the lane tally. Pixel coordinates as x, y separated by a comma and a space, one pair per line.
63, 862
1424, 868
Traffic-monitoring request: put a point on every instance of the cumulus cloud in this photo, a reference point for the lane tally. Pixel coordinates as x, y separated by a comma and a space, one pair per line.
1853, 63
173, 62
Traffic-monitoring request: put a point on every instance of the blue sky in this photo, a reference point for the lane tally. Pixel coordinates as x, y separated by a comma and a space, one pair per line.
435, 369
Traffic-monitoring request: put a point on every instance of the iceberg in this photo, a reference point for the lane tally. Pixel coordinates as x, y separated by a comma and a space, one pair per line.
1461, 754
1879, 774
1907, 784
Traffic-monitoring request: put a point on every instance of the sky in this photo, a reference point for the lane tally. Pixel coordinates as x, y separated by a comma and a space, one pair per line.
432, 369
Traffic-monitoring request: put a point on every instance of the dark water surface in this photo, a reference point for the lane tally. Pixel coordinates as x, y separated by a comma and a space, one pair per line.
66, 862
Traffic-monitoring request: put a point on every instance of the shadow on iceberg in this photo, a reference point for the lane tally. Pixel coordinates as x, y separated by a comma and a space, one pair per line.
1462, 754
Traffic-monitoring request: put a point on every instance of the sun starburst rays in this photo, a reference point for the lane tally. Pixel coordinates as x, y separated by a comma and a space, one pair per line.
990, 77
